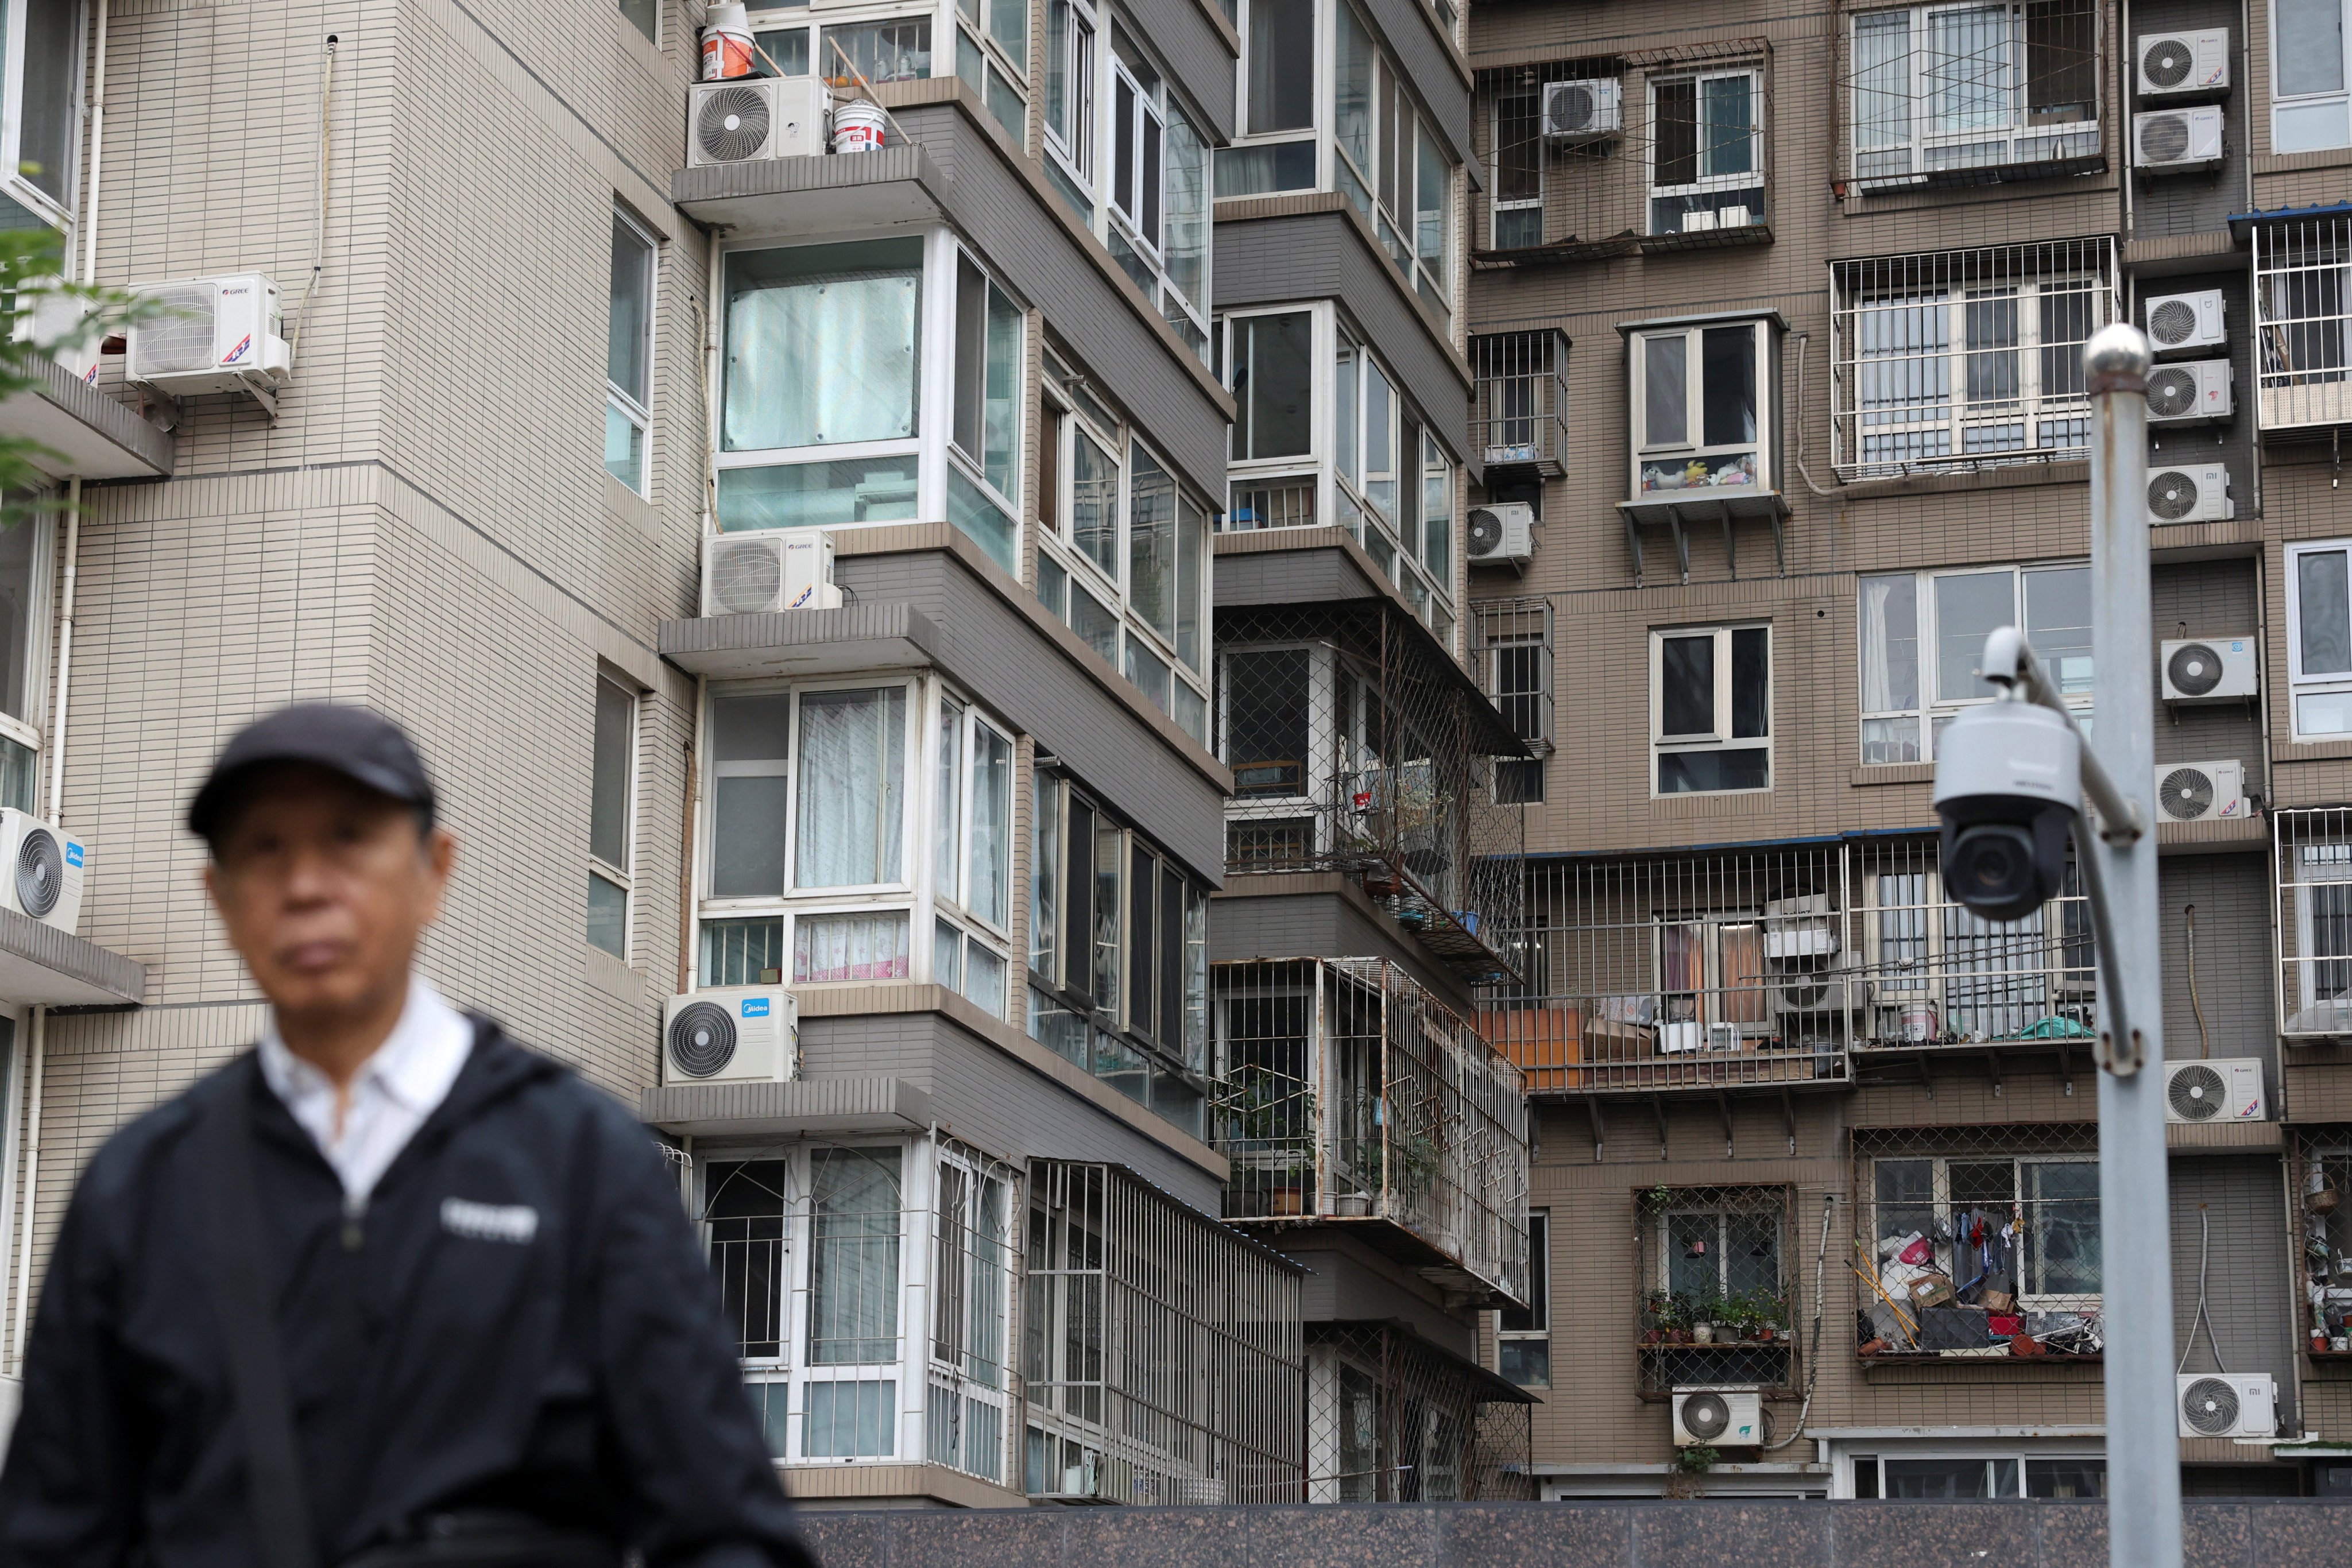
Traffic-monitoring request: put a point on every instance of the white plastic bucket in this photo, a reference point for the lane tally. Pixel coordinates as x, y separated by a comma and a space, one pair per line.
857, 127
726, 44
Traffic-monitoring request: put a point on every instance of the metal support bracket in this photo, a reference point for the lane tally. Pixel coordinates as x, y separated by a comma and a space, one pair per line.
1592, 1110
1730, 545
1789, 1116
1723, 1104
1634, 545
1658, 1112
1681, 543
1780, 546
1992, 1068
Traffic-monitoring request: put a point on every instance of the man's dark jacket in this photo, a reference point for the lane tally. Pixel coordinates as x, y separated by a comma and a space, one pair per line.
436, 1357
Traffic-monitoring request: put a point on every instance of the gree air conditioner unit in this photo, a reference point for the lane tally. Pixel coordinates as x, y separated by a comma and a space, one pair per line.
2168, 141
769, 569
2226, 1405
2180, 322
2194, 391
1503, 534
1583, 110
211, 335
2182, 65
749, 119
41, 870
2199, 493
739, 1034
2228, 1089
1722, 1417
2209, 669
2201, 791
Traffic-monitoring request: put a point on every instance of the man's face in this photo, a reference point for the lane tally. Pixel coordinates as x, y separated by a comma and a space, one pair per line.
325, 887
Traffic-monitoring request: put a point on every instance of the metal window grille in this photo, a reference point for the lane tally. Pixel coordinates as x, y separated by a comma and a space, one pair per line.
1798, 963
1349, 1094
2312, 869
2303, 323
1512, 647
1969, 1240
1160, 1351
1391, 1418
1519, 420
2322, 1238
1964, 94
1966, 359
1715, 1300
1358, 747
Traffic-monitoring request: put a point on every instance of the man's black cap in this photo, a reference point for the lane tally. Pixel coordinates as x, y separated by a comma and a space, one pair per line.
358, 742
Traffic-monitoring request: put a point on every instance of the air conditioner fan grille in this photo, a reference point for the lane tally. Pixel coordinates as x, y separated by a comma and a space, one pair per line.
701, 1040
2172, 323
1706, 1416
40, 871
2194, 670
746, 576
2210, 1407
1485, 532
2185, 794
180, 338
732, 124
2195, 1092
2164, 139
2166, 63
2172, 495
2172, 393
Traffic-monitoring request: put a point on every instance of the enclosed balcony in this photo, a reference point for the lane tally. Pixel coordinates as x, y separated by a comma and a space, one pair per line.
2303, 317
1350, 1096
1519, 420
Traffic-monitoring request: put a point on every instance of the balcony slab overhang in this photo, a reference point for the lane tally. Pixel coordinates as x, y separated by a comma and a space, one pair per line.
1715, 506
896, 185
88, 435
831, 1106
880, 637
40, 965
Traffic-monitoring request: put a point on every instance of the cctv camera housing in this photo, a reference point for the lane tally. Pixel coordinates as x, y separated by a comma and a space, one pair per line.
2009, 785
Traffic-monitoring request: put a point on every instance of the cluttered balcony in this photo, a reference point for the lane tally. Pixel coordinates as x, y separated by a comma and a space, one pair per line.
1806, 966
2303, 317
1349, 1095
1519, 418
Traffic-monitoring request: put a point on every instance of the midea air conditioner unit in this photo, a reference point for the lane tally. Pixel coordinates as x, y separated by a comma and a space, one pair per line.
2191, 392
2201, 791
2198, 495
732, 1035
2229, 1089
2175, 64
1725, 1417
1583, 110
2165, 139
2177, 322
772, 569
2208, 669
2226, 1405
41, 870
752, 118
211, 335
1503, 534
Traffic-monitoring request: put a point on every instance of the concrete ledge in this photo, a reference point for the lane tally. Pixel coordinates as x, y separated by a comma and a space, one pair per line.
87, 431
882, 636
2230, 1137
41, 964
814, 194
824, 1485
801, 1105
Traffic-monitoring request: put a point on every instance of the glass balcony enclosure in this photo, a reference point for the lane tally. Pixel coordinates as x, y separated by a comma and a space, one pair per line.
985, 42
1954, 93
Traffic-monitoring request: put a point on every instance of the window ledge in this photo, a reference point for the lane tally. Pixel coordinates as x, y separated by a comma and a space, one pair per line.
1941, 179
1893, 773
1706, 239
2295, 163
2295, 751
1995, 476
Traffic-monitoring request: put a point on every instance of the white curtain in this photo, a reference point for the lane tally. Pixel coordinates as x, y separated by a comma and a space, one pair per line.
849, 947
852, 786
989, 891
1890, 644
1968, 78
1882, 78
853, 1257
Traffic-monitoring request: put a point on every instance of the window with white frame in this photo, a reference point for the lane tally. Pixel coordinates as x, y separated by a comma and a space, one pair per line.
2311, 62
881, 48
25, 554
972, 842
612, 800
1942, 90
2319, 638
1388, 468
1922, 640
1522, 1335
1703, 407
992, 58
1389, 160
628, 353
984, 443
1711, 709
1071, 132
1706, 152
40, 130
1916, 1472
1516, 205
645, 15
1273, 149
2052, 1257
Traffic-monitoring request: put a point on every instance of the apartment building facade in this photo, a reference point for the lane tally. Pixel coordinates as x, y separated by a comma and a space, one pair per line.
1776, 316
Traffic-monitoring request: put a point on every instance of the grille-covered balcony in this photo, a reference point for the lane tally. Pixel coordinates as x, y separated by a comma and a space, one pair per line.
2303, 317
1350, 1095
1519, 421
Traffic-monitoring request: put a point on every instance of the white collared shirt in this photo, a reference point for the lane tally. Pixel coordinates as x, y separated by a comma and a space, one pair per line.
391, 1095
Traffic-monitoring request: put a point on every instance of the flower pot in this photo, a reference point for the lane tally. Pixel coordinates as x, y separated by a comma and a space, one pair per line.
1764, 1335
1652, 1336
1703, 1334
1355, 1205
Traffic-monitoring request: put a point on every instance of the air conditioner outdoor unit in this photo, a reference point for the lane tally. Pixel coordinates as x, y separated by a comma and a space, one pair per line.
2175, 64
2201, 791
212, 335
2165, 139
1798, 927
2209, 669
1583, 110
1725, 1417
1737, 217
2193, 495
41, 870
2178, 322
2191, 392
1503, 534
769, 569
734, 1034
748, 118
1817, 989
2229, 1089
2226, 1405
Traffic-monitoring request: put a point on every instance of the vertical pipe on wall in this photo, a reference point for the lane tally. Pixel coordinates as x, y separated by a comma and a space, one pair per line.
89, 212
56, 735
32, 1174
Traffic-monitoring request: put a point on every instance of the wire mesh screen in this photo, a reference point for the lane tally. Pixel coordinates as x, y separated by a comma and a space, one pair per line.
2303, 323
2311, 865
1519, 415
2323, 1176
1977, 1242
1391, 1418
1160, 1351
1358, 747
1940, 94
1348, 1093
1966, 359
1776, 965
1715, 1308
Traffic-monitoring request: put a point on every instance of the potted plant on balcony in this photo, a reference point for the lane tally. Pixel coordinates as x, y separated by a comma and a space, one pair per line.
1268, 1120
1708, 1315
1655, 1308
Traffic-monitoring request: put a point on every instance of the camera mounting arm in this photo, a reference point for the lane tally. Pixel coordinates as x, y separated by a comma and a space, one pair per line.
2011, 665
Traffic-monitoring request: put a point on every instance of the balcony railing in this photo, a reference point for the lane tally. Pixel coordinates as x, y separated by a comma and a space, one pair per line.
2303, 321
1776, 965
1519, 420
2312, 857
1390, 1417
1352, 1095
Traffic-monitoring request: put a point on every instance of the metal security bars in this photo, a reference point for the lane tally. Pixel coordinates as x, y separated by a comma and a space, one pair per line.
1392, 1418
1511, 651
1966, 359
2303, 321
1977, 1242
1519, 420
1160, 1350
1349, 1094
1776, 965
1714, 1300
1358, 747
1958, 94
2322, 1239
2312, 922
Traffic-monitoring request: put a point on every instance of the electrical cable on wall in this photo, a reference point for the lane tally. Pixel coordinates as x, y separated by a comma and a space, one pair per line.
1813, 1359
319, 207
2204, 1241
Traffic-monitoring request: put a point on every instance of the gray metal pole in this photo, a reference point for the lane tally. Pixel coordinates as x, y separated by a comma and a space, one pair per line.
2135, 1209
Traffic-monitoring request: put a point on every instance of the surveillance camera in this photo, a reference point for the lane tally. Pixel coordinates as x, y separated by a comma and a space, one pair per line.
2009, 784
